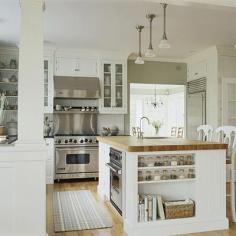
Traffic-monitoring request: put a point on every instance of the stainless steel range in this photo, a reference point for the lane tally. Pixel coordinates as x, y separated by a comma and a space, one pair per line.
75, 127
76, 157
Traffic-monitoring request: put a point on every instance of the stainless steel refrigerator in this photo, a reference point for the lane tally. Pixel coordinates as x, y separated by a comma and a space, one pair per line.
195, 106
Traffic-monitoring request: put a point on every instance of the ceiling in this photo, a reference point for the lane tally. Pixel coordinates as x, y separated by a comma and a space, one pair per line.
110, 25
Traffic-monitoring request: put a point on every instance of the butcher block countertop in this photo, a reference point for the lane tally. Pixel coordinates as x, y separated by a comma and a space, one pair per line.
133, 144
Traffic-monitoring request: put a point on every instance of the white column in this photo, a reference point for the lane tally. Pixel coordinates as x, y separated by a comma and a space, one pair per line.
31, 78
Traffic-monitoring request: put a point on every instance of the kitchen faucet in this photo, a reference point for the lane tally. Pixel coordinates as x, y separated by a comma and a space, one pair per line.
140, 133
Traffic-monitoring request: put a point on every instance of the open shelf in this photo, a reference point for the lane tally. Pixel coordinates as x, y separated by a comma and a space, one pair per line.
166, 167
1, 82
78, 112
167, 181
8, 69
165, 221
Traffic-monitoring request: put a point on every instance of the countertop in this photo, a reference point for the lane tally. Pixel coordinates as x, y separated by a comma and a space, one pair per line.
133, 144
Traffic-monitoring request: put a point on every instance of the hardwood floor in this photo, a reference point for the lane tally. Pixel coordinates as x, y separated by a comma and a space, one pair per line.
117, 229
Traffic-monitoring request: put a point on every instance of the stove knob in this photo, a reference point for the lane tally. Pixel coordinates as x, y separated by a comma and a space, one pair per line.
81, 141
59, 141
86, 140
66, 141
90, 140
70, 140
75, 141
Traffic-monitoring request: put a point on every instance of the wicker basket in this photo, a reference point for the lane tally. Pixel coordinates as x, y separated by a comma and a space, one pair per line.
179, 209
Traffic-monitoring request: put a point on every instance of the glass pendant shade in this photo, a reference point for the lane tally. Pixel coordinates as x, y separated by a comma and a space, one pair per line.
139, 61
150, 53
164, 44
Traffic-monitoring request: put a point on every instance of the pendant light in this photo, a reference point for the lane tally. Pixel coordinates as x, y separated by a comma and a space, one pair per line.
164, 42
150, 52
139, 59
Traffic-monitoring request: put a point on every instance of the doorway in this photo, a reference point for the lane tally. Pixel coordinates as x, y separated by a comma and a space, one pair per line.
163, 104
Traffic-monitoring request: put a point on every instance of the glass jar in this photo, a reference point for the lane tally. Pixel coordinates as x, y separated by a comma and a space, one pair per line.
165, 175
166, 160
156, 175
191, 174
140, 176
173, 161
148, 175
189, 160
181, 174
173, 174
185, 160
150, 161
181, 161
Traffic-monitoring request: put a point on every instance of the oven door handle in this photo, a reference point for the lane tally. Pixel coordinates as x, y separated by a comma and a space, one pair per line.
76, 149
114, 168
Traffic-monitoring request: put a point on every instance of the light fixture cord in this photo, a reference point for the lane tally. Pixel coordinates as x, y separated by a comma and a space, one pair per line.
139, 33
164, 7
150, 43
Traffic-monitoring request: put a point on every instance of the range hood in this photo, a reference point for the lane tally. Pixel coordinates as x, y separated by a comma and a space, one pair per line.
76, 87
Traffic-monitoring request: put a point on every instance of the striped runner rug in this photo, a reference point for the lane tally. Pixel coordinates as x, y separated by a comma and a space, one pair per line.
78, 210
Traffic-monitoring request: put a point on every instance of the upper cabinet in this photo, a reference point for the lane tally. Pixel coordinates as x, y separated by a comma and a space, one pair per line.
197, 70
67, 66
48, 85
113, 87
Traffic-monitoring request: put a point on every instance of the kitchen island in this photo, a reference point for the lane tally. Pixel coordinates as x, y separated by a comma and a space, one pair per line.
170, 170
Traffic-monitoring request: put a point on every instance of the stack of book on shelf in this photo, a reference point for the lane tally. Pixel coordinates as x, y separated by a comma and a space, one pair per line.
150, 208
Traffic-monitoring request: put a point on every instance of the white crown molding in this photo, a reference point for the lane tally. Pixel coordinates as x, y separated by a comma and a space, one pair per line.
226, 3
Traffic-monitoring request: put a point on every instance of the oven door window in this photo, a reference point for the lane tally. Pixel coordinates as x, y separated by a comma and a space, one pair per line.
75, 159
115, 182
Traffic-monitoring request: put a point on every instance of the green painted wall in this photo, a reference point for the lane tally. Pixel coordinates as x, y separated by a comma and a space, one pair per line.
157, 72
154, 73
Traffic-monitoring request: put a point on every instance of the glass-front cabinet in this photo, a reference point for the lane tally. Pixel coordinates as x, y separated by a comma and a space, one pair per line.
8, 92
48, 85
114, 88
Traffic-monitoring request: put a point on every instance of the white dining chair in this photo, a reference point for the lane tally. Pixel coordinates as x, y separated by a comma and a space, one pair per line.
205, 132
227, 134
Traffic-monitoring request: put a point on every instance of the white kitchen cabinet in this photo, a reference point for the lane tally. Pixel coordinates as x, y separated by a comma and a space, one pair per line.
66, 66
113, 87
50, 161
48, 85
197, 70
229, 101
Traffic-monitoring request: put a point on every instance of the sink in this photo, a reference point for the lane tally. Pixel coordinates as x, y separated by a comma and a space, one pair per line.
154, 137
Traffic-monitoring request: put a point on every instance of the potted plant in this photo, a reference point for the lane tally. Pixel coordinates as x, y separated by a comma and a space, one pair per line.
157, 125
3, 104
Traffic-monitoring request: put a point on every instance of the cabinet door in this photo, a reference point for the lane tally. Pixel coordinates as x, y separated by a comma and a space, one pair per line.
114, 88
50, 161
107, 86
86, 67
197, 70
118, 86
48, 85
229, 101
66, 66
